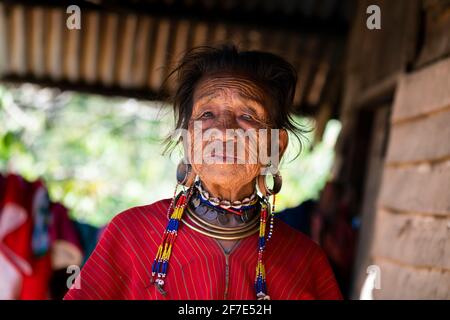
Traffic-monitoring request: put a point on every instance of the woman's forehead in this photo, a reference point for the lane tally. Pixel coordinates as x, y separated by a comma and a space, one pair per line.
232, 86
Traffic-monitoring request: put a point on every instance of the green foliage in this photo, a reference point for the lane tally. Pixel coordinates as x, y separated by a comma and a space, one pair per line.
304, 177
100, 156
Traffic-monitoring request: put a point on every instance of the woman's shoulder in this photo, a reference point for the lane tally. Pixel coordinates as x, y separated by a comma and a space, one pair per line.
150, 218
156, 210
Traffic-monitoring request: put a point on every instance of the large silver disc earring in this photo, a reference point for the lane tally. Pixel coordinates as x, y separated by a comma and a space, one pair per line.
264, 189
184, 174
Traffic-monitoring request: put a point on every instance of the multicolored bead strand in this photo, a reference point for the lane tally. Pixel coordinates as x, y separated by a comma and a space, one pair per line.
161, 261
260, 281
271, 219
169, 209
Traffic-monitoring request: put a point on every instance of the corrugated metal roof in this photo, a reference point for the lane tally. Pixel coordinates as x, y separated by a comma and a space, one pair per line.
127, 48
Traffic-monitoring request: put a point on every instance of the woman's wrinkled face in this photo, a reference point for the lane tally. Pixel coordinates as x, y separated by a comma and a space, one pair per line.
222, 104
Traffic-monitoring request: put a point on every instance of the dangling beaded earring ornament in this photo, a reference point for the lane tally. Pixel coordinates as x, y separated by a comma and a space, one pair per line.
272, 214
161, 262
260, 280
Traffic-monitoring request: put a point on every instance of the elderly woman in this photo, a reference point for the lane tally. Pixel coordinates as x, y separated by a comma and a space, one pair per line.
216, 238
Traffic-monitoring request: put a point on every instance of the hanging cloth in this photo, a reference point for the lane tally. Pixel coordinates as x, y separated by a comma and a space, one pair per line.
15, 238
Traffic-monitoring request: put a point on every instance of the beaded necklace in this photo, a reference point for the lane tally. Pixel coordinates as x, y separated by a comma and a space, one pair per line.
235, 207
210, 212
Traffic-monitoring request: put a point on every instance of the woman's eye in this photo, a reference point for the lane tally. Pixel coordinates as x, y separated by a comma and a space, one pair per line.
207, 115
246, 117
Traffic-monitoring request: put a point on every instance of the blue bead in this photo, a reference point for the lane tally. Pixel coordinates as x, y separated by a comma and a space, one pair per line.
261, 242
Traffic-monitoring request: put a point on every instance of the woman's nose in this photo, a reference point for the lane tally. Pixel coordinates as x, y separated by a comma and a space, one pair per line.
227, 121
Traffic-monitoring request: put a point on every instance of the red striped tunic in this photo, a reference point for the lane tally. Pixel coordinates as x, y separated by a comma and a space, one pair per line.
120, 266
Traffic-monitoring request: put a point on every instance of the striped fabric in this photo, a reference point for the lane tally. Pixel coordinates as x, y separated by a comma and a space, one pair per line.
120, 266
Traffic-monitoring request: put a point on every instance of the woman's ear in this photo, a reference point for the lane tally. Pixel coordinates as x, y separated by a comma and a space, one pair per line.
284, 140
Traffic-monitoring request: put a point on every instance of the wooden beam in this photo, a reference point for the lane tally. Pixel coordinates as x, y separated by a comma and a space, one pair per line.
200, 34
220, 33
255, 38
306, 72
90, 45
126, 51
36, 30
4, 58
55, 43
141, 54
17, 41
160, 55
108, 45
180, 44
72, 54
320, 76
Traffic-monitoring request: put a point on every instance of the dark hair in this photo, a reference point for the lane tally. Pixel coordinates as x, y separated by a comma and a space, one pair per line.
276, 76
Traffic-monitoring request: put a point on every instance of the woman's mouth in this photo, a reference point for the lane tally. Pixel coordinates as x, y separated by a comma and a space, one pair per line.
222, 158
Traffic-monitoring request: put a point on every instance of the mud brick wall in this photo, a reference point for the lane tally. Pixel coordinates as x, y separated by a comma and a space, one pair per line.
412, 229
